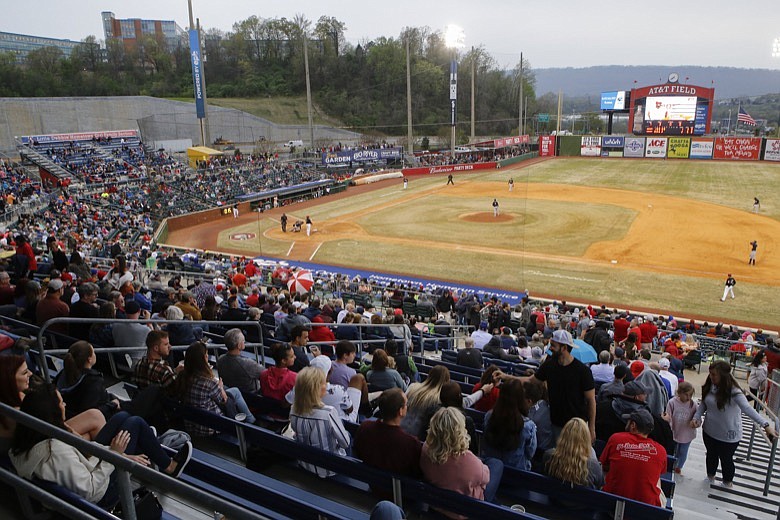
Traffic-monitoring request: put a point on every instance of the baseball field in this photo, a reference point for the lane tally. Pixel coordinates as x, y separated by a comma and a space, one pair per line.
641, 234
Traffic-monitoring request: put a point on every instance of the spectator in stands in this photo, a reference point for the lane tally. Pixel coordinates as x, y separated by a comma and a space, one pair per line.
346, 401
101, 334
383, 444
24, 259
85, 308
82, 387
539, 413
602, 371
597, 336
197, 387
663, 371
633, 463
59, 259
118, 300
78, 267
210, 310
481, 336
130, 332
510, 435
494, 348
679, 414
649, 331
489, 384
52, 306
277, 380
569, 384
234, 312
469, 356
611, 415
404, 363
620, 326
757, 378
446, 461
34, 454
772, 353
617, 385
189, 306
29, 302
321, 332
424, 399
236, 370
14, 384
657, 391
315, 423
153, 369
381, 377
119, 273
6, 289
572, 460
342, 373
299, 335
347, 331
630, 346
203, 290
181, 332
452, 396
723, 403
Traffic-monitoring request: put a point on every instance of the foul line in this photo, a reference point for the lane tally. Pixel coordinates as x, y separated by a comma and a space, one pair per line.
315, 251
291, 248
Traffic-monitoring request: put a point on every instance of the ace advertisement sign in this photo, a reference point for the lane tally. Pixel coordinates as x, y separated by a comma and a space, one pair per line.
656, 147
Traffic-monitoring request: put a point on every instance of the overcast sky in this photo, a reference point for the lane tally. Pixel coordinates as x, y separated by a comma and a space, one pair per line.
562, 33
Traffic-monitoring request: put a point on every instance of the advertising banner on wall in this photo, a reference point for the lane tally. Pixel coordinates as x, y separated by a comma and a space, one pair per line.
590, 146
679, 147
79, 136
701, 148
612, 146
737, 148
634, 147
450, 168
511, 141
772, 152
546, 146
345, 157
655, 147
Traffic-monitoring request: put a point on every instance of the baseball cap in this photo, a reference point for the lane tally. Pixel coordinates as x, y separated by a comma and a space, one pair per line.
644, 421
563, 337
483, 325
66, 277
321, 362
132, 307
592, 324
55, 285
634, 388
637, 367
664, 363
619, 352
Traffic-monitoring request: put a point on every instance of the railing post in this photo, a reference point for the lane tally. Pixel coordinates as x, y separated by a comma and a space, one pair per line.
397, 495
125, 494
620, 509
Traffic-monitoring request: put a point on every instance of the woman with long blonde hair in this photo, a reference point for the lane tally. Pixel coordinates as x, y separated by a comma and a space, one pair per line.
424, 399
315, 423
446, 461
571, 461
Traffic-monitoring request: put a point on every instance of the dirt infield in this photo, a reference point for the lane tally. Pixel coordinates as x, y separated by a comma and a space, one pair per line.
675, 238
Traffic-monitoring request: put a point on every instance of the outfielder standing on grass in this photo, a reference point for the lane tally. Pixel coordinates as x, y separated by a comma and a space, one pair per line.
729, 287
406, 182
756, 205
753, 248
511, 183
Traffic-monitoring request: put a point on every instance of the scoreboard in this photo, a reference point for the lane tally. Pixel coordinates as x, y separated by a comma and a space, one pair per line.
671, 109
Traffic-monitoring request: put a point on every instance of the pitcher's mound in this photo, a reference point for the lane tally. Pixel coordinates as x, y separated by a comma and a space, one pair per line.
486, 216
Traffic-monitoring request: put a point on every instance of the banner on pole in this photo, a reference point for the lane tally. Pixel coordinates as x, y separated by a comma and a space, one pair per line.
197, 74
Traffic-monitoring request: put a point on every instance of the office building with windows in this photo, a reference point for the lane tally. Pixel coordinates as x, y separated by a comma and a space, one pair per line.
131, 30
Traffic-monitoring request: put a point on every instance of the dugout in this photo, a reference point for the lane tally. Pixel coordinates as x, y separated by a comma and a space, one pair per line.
196, 154
283, 196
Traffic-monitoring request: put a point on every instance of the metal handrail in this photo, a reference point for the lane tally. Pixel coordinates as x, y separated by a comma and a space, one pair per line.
127, 467
42, 353
772, 442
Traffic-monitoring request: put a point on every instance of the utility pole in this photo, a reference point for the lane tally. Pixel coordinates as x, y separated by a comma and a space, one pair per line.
198, 76
520, 108
409, 133
473, 138
308, 88
204, 123
560, 107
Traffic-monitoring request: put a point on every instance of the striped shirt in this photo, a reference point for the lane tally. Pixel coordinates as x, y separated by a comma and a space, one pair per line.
322, 429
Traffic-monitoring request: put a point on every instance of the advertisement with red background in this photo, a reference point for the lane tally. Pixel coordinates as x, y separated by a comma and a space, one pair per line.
737, 148
450, 168
546, 146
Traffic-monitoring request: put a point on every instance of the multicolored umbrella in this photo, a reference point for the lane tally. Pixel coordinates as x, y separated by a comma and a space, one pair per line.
300, 281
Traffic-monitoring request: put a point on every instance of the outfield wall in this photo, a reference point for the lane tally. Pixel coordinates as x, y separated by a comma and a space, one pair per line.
662, 147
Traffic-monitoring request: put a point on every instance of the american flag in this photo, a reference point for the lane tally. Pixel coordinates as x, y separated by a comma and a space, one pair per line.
744, 117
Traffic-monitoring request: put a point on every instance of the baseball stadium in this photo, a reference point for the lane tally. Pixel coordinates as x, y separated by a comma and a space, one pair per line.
276, 305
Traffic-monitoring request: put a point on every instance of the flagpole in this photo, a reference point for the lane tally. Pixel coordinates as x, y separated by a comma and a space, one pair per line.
736, 125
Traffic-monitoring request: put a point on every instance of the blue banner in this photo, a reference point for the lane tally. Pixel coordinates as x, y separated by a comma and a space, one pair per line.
197, 74
614, 100
700, 124
345, 157
612, 141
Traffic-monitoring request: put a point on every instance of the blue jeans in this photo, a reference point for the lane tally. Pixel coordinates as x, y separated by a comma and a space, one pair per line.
682, 454
142, 440
496, 468
241, 405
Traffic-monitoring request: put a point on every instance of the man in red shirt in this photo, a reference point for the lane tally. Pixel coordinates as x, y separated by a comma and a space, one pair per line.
632, 462
621, 328
635, 328
649, 332
51, 306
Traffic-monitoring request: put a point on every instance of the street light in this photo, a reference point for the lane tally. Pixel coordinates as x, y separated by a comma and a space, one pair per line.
454, 38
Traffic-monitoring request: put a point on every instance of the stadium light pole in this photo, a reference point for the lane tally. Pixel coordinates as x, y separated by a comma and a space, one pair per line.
454, 39
776, 55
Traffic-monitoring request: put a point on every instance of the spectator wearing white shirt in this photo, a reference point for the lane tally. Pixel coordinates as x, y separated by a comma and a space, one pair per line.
481, 336
664, 364
603, 372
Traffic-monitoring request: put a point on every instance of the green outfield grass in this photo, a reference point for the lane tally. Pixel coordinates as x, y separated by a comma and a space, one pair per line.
421, 232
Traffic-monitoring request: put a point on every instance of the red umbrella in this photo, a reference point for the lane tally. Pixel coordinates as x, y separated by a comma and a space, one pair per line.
282, 273
300, 281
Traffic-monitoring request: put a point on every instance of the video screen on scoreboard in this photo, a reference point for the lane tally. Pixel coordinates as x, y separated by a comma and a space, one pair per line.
670, 115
